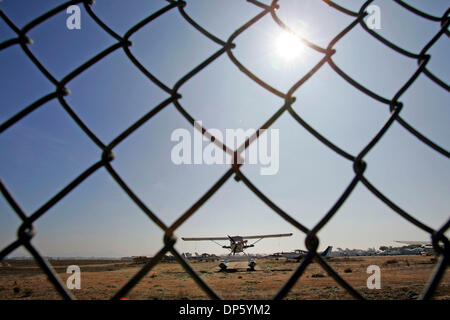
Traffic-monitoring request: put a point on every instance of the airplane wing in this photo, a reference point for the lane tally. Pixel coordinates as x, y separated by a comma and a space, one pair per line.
244, 237
414, 242
206, 238
268, 236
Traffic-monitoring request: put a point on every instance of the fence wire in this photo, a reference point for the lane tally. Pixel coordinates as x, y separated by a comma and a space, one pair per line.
26, 231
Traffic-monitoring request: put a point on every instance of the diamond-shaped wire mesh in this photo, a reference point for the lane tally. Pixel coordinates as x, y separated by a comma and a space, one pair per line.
26, 231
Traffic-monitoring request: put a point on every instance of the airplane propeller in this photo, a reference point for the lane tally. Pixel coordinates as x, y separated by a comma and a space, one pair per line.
233, 251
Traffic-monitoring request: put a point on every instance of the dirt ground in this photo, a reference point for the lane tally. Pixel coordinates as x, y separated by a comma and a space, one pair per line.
402, 277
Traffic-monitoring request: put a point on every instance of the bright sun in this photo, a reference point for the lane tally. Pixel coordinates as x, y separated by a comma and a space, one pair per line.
288, 46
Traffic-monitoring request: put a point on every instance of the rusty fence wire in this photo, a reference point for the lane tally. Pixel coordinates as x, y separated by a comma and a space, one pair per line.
26, 231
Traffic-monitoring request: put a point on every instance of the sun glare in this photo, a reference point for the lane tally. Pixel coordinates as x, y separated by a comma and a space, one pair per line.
288, 46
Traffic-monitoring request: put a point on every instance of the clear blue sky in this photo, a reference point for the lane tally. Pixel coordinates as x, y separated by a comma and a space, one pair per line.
46, 150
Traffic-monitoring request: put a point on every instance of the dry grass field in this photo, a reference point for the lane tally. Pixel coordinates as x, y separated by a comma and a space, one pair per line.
402, 277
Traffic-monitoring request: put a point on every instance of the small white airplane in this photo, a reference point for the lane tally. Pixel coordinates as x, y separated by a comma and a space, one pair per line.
300, 254
238, 244
426, 247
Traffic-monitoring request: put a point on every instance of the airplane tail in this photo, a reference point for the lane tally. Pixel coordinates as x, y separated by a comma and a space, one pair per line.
327, 252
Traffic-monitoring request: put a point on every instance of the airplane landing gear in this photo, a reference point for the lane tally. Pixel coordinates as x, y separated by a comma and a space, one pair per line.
251, 265
223, 265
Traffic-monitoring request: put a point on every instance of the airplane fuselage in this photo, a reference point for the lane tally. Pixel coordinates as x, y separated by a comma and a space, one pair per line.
237, 245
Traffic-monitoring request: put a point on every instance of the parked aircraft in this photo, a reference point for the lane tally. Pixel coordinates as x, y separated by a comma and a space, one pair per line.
300, 254
425, 247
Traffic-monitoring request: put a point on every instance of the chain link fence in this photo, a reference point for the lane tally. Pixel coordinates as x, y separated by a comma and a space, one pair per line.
26, 231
